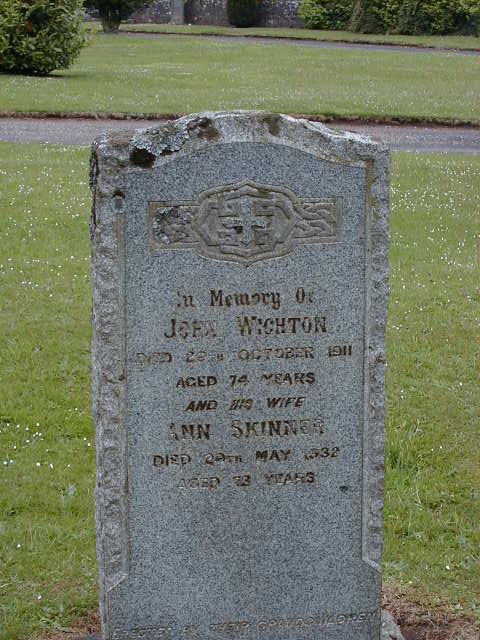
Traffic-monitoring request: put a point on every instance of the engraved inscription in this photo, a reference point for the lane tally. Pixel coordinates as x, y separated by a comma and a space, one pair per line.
155, 358
244, 222
292, 478
316, 621
202, 405
258, 440
277, 428
218, 298
253, 325
167, 459
196, 382
340, 350
190, 431
267, 353
184, 329
273, 455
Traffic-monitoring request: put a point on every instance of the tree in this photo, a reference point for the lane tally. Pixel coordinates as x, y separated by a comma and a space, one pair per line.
39, 36
242, 13
112, 12
366, 17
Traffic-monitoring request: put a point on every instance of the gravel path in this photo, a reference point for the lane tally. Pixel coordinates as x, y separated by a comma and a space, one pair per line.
322, 44
399, 138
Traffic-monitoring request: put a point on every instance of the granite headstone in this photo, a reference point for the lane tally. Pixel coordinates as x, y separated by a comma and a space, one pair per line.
240, 292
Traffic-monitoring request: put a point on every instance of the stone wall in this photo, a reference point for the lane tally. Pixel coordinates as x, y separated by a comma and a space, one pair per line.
206, 12
272, 13
157, 11
279, 13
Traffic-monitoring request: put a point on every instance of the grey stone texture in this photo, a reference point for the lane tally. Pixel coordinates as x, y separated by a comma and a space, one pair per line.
240, 291
279, 13
390, 630
271, 13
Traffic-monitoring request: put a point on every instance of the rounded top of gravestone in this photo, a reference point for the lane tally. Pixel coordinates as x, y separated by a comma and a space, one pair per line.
144, 149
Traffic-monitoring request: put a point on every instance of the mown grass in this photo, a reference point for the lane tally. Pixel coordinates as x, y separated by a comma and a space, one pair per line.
181, 75
48, 574
47, 559
433, 476
436, 42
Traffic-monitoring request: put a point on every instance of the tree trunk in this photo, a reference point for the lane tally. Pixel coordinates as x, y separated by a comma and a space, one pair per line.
177, 12
364, 18
110, 22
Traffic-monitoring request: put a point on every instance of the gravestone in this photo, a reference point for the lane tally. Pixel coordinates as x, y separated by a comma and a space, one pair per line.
240, 291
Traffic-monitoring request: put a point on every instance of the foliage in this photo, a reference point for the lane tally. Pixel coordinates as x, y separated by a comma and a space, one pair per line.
375, 16
112, 12
367, 16
432, 16
325, 14
413, 17
38, 36
242, 13
468, 17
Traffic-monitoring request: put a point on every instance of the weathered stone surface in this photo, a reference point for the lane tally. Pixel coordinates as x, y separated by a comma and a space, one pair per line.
390, 629
240, 289
271, 13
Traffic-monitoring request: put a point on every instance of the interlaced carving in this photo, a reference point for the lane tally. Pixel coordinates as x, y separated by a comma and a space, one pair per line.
244, 222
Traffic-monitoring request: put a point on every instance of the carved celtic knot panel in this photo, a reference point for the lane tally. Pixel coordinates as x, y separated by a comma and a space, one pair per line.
244, 222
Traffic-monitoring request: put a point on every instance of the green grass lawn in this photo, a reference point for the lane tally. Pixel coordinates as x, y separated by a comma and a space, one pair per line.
444, 42
181, 75
47, 559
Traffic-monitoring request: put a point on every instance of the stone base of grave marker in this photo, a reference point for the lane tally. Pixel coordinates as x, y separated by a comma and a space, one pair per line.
390, 630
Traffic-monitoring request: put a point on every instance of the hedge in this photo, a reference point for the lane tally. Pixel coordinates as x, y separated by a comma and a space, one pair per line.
242, 13
394, 16
326, 14
38, 36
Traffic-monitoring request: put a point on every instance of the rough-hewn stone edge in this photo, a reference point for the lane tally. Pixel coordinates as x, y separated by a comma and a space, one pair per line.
124, 152
390, 629
108, 378
375, 360
146, 148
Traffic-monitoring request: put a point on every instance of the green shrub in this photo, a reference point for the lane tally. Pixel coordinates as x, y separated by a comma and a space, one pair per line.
242, 13
426, 16
468, 17
38, 36
439, 17
367, 16
416, 16
389, 14
325, 14
112, 12
375, 16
